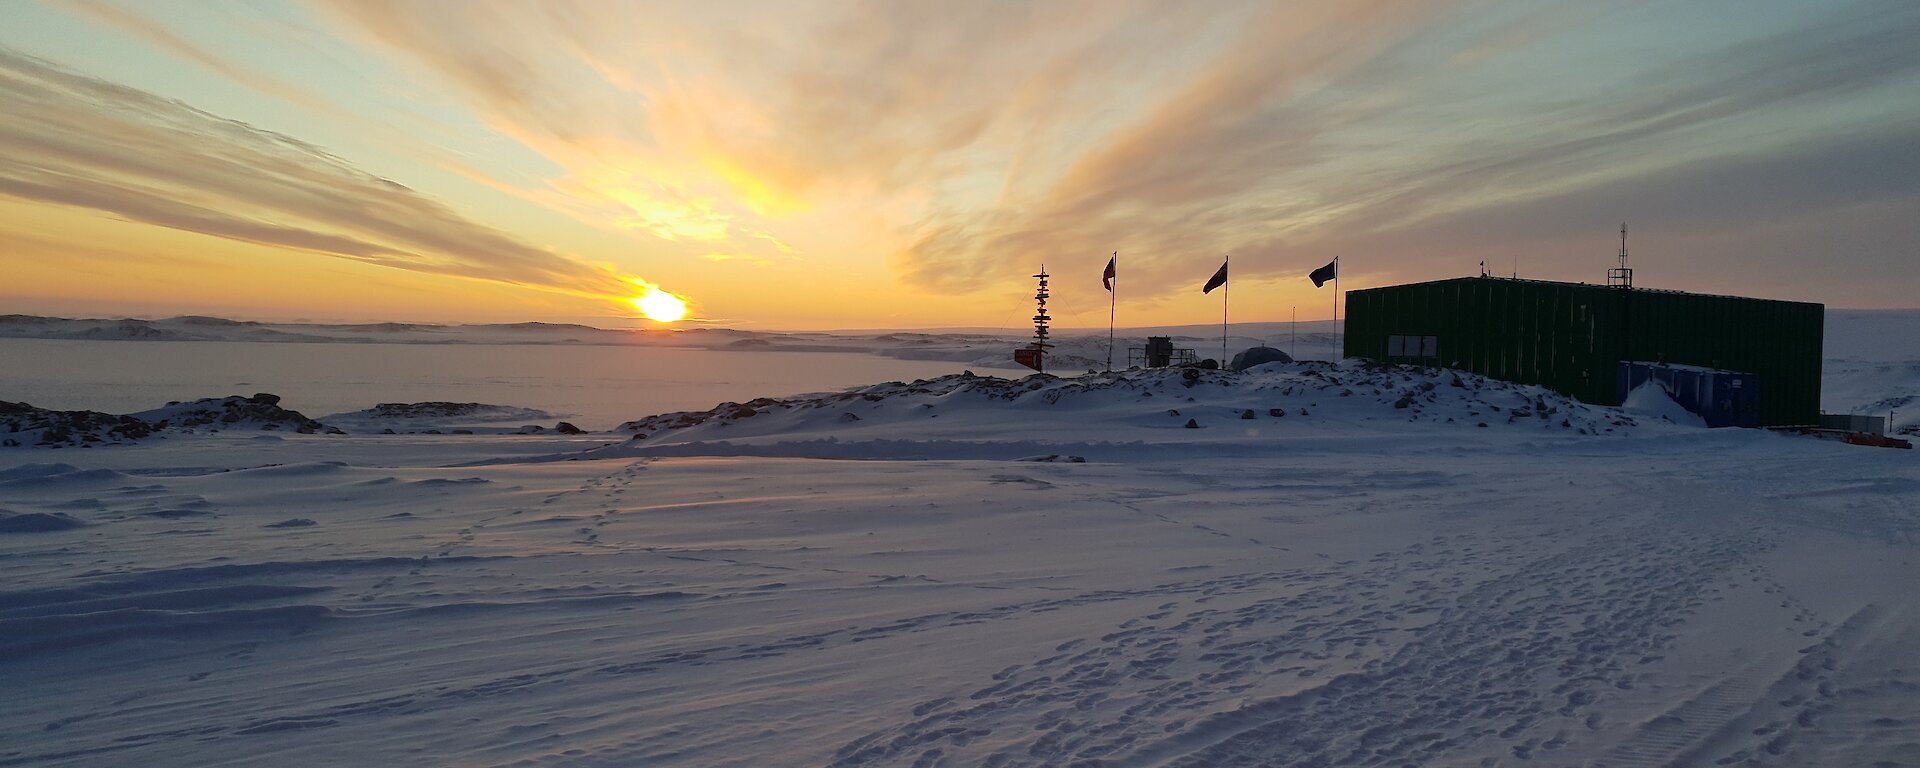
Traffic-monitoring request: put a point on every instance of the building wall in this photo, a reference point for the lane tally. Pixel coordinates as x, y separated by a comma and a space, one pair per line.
1571, 338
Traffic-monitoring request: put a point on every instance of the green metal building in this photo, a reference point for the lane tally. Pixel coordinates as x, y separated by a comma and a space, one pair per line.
1573, 337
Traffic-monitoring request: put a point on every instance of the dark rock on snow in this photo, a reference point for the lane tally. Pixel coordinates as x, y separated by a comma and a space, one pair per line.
1253, 356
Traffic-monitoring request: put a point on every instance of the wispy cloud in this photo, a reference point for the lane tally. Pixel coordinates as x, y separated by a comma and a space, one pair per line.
73, 140
948, 147
159, 36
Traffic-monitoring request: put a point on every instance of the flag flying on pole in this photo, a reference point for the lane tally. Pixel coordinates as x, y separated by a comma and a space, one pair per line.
1219, 278
1322, 275
1106, 278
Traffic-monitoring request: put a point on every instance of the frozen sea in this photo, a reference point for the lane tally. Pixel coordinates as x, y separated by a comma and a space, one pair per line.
595, 386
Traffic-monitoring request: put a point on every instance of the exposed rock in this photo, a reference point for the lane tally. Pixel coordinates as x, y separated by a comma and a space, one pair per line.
1192, 424
175, 514
26, 425
1253, 356
567, 428
1247, 414
734, 411
1276, 412
298, 522
430, 409
416, 417
260, 412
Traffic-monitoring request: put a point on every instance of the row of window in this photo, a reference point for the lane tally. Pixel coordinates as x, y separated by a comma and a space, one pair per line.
1413, 346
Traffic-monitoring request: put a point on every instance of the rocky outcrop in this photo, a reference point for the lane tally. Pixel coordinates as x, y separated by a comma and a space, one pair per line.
26, 426
436, 409
262, 411
23, 425
419, 418
1252, 356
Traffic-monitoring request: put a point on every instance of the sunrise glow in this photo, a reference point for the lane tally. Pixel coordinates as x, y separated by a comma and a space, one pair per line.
909, 166
660, 306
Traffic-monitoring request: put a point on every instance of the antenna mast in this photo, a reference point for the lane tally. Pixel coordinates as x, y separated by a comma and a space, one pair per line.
1621, 276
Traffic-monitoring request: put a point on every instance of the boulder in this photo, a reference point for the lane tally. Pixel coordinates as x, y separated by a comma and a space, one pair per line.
1253, 356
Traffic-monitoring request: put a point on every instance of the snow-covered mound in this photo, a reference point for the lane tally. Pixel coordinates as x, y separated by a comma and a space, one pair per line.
1651, 399
435, 416
260, 412
1355, 400
37, 522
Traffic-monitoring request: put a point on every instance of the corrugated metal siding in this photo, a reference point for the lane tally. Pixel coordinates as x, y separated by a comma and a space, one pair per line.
1571, 337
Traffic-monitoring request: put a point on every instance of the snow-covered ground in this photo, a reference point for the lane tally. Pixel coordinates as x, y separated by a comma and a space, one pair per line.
1334, 565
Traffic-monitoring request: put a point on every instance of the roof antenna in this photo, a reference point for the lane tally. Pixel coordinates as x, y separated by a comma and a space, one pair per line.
1621, 276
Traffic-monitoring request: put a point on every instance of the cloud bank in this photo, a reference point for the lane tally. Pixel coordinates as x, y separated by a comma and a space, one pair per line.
976, 140
73, 140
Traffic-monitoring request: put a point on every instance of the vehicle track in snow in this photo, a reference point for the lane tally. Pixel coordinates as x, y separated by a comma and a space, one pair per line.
1446, 647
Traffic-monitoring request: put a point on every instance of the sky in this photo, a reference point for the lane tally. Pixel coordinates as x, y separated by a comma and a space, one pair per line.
905, 164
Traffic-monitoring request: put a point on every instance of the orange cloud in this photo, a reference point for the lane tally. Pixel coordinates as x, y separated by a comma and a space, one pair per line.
71, 140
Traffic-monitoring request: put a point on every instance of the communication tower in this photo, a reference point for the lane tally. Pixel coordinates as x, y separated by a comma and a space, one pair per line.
1621, 276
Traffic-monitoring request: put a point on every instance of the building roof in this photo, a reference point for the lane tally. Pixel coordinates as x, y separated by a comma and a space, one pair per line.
1557, 283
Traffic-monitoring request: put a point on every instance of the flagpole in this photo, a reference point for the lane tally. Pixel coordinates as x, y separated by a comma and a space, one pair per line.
1113, 300
1223, 308
1336, 309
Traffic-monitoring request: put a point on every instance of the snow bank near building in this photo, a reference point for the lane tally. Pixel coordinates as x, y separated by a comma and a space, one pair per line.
1652, 400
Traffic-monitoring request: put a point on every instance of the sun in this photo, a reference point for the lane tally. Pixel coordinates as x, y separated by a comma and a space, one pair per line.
660, 306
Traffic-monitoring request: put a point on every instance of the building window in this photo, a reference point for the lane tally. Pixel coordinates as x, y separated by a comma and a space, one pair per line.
1423, 349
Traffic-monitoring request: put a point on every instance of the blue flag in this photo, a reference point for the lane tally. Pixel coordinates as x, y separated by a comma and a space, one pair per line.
1219, 278
1322, 275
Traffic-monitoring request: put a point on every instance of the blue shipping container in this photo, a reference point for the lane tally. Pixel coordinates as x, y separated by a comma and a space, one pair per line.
1722, 398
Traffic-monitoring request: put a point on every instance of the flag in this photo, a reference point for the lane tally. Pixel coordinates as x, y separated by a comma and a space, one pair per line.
1219, 278
1106, 278
1322, 275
